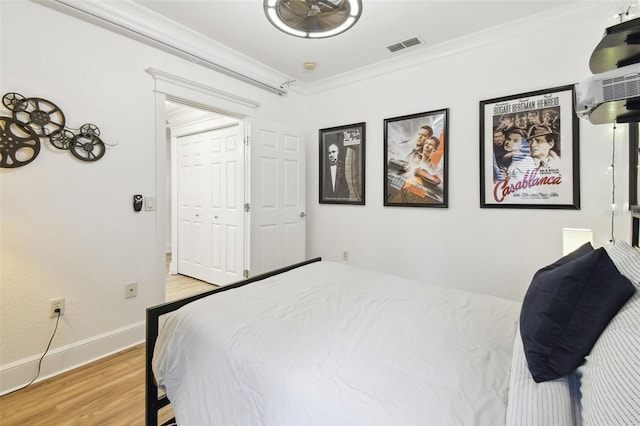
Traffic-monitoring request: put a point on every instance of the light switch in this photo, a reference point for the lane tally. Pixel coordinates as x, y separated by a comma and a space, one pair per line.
149, 203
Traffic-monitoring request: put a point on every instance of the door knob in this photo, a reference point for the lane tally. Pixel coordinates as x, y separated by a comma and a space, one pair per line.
302, 214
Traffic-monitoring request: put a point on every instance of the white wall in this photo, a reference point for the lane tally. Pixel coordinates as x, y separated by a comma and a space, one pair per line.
492, 251
68, 228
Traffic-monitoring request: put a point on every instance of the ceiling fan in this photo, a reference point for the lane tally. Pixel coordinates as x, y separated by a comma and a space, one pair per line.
313, 18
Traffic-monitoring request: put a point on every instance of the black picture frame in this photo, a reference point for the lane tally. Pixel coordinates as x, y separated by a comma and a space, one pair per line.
534, 160
345, 183
413, 178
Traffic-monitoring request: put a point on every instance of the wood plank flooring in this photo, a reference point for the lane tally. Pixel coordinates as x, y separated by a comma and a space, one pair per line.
181, 286
109, 391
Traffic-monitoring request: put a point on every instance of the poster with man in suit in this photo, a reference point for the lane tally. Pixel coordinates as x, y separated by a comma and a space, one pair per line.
342, 164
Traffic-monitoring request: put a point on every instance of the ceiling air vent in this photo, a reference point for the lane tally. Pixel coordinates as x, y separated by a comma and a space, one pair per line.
413, 41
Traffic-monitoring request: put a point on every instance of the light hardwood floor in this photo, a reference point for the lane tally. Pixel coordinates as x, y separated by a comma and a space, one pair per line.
180, 286
109, 391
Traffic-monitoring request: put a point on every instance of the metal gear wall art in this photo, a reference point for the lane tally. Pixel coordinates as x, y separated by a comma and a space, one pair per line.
33, 119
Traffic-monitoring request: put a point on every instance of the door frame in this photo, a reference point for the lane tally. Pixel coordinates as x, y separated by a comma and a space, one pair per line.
169, 87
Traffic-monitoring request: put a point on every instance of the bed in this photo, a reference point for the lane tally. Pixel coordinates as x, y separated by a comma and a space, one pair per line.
331, 344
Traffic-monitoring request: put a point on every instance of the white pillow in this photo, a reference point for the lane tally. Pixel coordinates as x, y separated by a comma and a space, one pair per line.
611, 374
554, 402
626, 259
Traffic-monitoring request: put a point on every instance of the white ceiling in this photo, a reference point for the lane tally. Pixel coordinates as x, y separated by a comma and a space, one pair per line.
242, 26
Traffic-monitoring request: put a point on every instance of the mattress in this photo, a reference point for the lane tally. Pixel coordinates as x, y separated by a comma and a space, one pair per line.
333, 344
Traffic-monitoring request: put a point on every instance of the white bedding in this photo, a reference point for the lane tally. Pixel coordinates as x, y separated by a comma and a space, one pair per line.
331, 344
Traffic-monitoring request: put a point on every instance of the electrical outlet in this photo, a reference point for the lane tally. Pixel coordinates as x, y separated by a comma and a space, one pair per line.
131, 290
345, 256
56, 304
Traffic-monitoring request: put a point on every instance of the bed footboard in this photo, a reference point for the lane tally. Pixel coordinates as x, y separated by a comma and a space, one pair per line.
154, 403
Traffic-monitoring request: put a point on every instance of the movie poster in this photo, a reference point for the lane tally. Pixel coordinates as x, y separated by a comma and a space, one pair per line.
415, 160
342, 168
529, 150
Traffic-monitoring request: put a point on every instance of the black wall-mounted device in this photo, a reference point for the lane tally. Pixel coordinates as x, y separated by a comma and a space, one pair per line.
137, 202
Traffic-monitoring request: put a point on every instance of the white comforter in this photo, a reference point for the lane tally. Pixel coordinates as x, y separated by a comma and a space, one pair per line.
331, 344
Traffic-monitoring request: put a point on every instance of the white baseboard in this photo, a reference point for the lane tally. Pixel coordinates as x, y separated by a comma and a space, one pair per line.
17, 374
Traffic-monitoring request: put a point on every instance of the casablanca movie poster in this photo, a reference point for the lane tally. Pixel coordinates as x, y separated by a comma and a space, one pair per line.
529, 150
415, 155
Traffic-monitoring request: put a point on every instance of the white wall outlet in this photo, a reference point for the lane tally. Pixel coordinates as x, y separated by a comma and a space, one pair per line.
345, 256
56, 304
131, 290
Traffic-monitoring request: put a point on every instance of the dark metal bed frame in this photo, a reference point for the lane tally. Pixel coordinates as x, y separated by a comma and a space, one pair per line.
154, 402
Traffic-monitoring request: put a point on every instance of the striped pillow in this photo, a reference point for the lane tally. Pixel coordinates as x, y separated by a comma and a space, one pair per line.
552, 403
610, 376
626, 259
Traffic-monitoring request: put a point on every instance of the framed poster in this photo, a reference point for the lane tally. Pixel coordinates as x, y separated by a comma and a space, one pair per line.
415, 159
529, 151
342, 151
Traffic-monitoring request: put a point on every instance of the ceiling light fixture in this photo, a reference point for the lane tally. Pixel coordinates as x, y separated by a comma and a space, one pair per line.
313, 18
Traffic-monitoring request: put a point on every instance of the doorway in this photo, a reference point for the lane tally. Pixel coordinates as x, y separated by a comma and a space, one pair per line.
273, 179
206, 163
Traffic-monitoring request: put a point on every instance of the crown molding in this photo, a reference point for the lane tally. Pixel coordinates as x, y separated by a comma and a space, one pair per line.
141, 24
135, 21
508, 31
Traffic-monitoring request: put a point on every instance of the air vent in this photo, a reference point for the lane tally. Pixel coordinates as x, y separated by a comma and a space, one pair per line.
623, 87
410, 42
396, 47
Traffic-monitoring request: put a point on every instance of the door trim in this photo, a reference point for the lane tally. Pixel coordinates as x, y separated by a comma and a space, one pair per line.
170, 87
196, 93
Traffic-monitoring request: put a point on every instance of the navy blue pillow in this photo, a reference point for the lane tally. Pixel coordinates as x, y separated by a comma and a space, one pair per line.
586, 248
567, 306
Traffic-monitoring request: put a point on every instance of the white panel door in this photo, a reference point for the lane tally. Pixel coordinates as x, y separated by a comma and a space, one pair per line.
277, 196
192, 173
211, 197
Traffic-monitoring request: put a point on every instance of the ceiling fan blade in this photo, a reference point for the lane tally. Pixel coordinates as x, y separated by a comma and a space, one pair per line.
324, 23
329, 4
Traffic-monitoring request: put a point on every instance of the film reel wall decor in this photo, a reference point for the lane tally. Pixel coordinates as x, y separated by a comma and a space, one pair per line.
33, 119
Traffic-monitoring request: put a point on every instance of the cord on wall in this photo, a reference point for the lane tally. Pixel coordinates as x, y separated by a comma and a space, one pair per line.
613, 183
42, 357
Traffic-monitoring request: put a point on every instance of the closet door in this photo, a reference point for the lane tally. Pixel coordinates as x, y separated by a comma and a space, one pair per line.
210, 205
